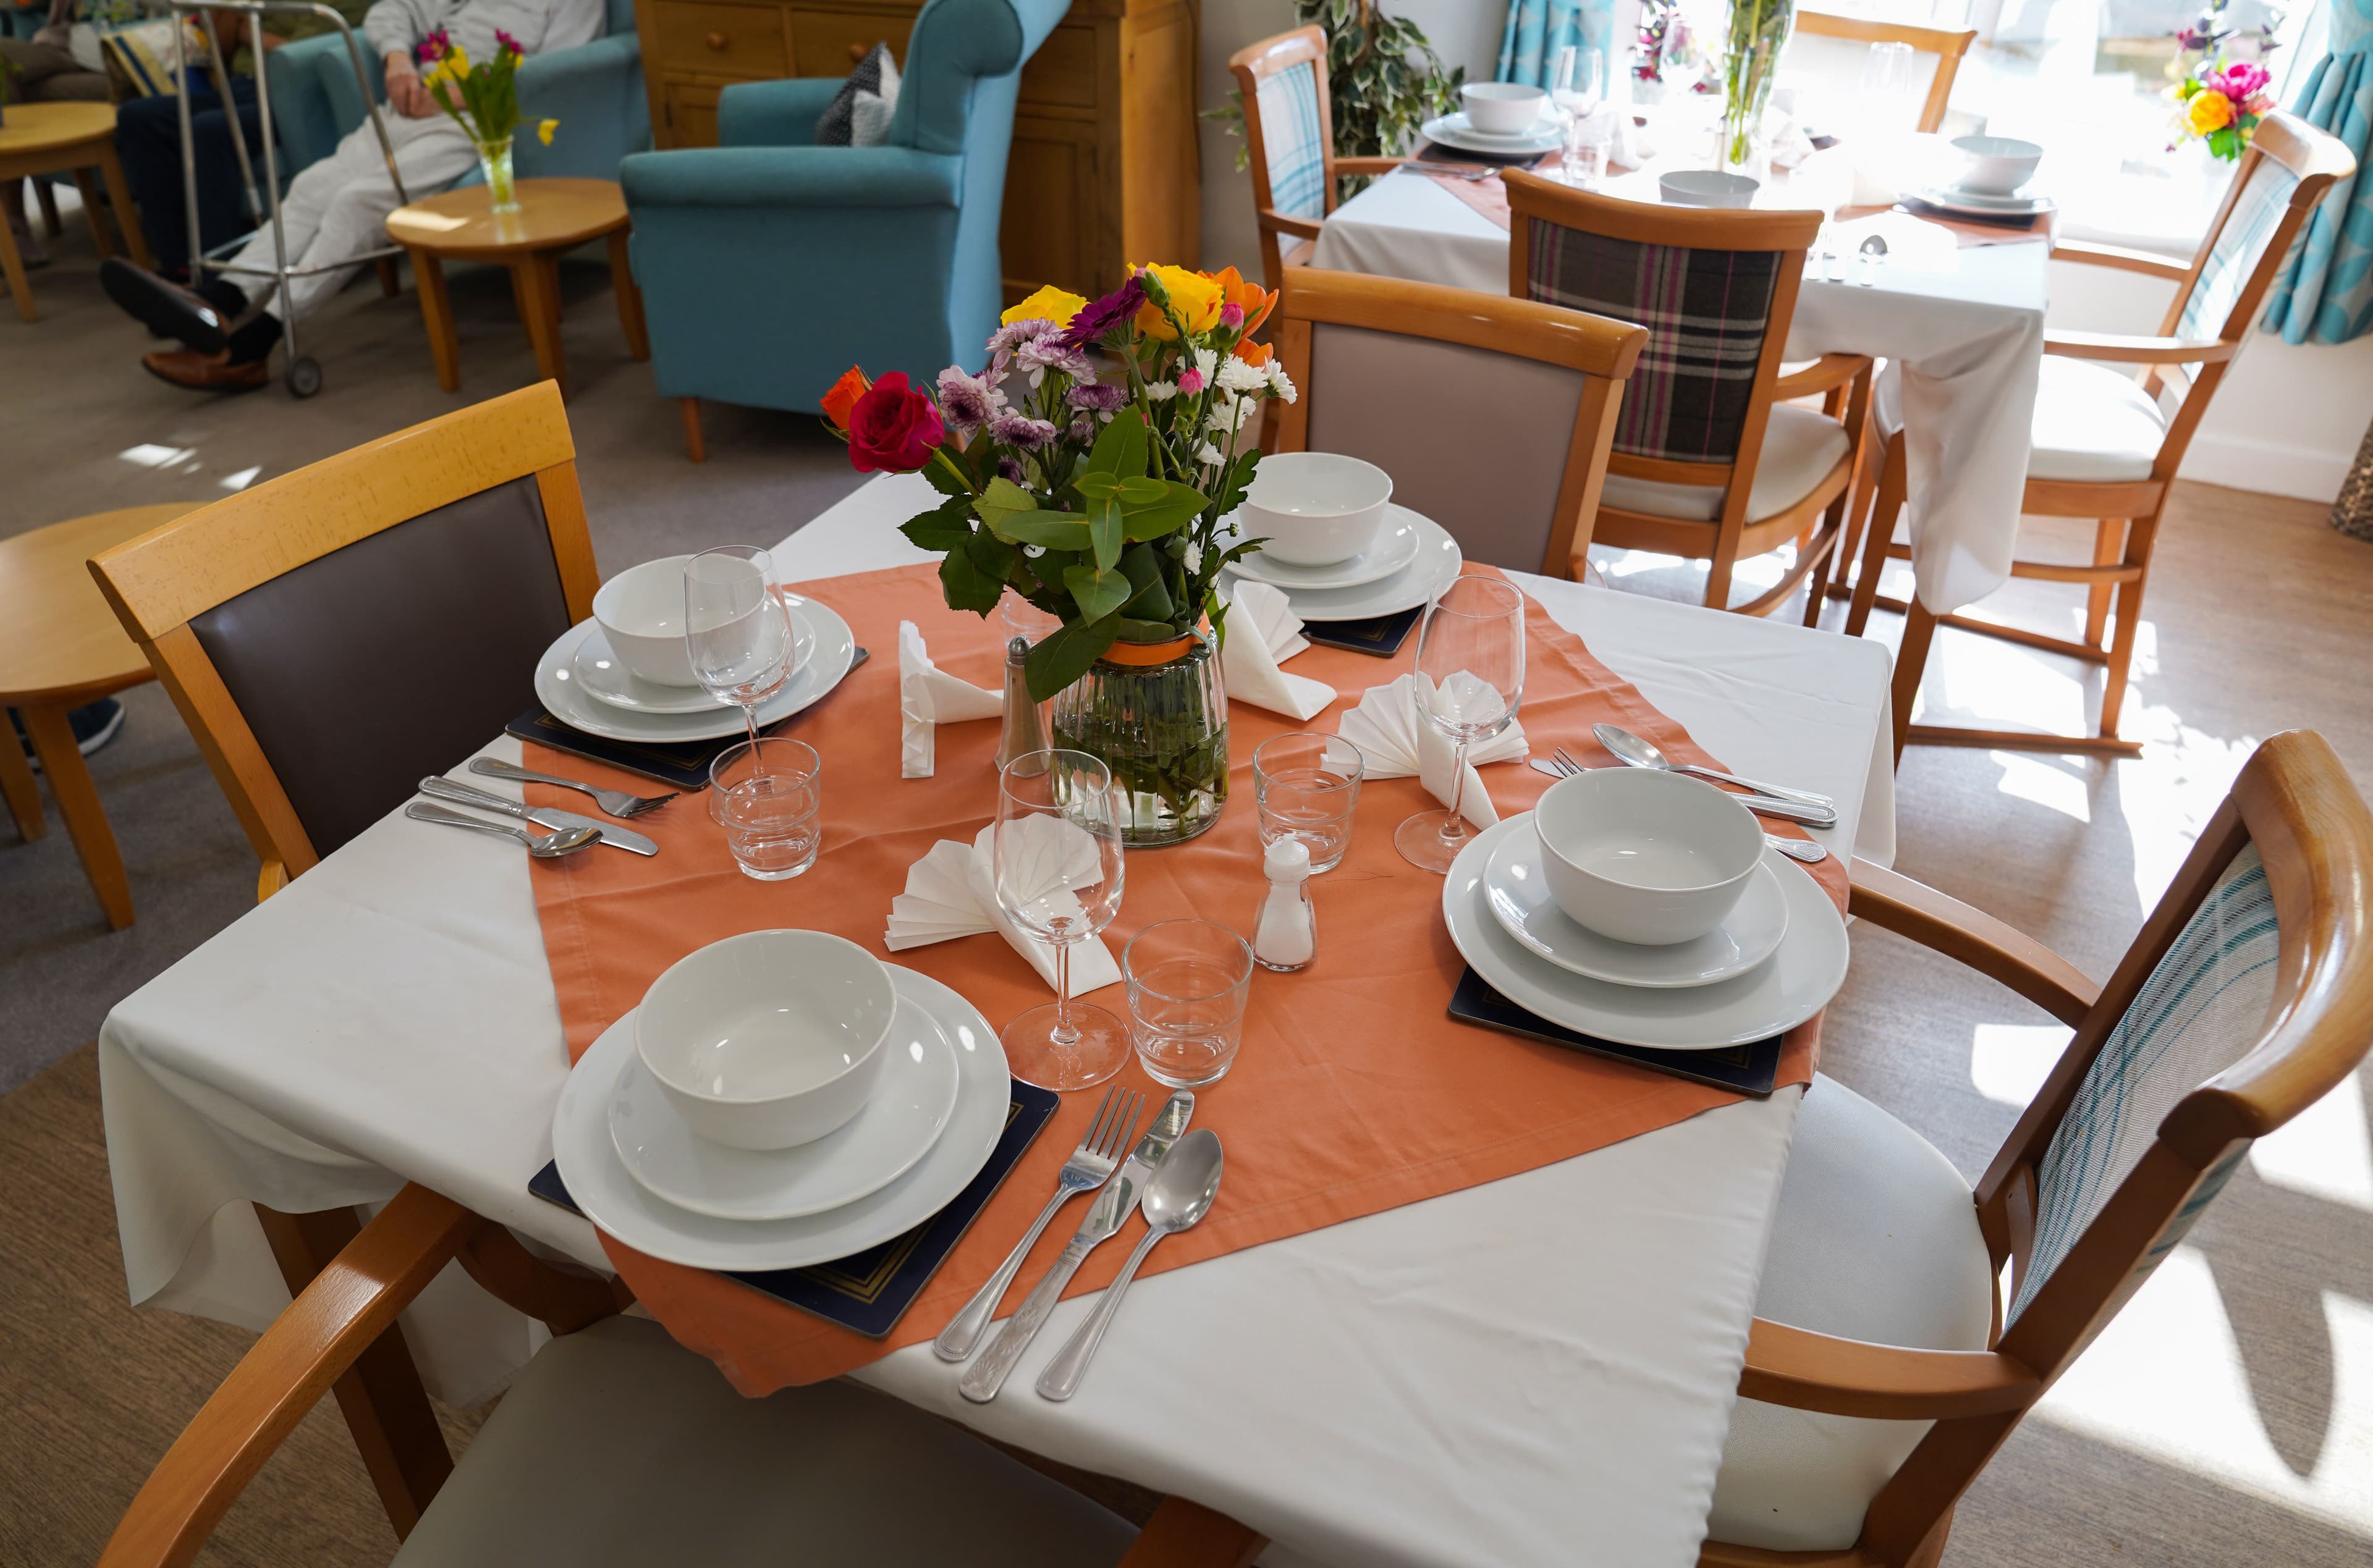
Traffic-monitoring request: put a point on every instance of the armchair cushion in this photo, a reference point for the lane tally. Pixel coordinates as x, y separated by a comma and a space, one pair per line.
774, 114
1877, 1240
2092, 423
1800, 447
792, 177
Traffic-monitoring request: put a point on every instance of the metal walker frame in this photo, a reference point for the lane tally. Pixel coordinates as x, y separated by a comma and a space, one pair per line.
304, 373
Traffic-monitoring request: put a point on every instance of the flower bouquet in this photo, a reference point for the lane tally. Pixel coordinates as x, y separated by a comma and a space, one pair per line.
2224, 106
1097, 494
1757, 34
483, 100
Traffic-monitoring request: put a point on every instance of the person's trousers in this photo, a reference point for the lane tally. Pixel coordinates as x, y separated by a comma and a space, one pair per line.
148, 140
46, 73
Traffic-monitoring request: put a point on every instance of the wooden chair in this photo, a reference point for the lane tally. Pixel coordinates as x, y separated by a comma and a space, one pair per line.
1711, 460
1290, 138
331, 635
1419, 378
1947, 46
2245, 998
618, 1446
2107, 446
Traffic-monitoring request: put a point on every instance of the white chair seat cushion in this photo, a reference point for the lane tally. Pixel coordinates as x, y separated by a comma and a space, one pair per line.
1877, 1240
618, 1446
2092, 423
1800, 447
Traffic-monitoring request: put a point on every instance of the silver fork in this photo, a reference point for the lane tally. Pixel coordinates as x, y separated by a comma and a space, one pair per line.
1090, 1167
1761, 805
617, 802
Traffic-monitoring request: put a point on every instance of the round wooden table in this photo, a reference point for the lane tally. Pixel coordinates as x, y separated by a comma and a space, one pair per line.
555, 217
51, 138
61, 646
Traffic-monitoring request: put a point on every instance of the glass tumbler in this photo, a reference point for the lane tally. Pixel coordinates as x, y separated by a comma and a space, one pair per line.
1188, 982
768, 796
1305, 786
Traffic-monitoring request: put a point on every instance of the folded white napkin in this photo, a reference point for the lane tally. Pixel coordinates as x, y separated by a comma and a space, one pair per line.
1263, 633
929, 696
1396, 743
952, 892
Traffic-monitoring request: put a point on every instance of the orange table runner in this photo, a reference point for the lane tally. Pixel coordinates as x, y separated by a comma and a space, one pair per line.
1354, 1093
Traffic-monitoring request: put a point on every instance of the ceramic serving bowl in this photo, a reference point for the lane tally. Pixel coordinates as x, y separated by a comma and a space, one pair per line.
1645, 857
767, 1039
1502, 108
1314, 508
1995, 166
641, 612
1708, 187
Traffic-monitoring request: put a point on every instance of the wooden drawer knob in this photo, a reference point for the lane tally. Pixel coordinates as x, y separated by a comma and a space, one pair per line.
857, 53
717, 40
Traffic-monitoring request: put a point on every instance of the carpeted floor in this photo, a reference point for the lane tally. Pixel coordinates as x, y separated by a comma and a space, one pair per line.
2226, 1419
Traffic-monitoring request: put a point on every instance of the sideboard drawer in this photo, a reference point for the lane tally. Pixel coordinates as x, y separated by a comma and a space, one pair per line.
830, 44
721, 41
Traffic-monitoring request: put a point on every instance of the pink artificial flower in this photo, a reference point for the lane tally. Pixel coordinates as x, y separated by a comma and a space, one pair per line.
2240, 81
1232, 316
1190, 383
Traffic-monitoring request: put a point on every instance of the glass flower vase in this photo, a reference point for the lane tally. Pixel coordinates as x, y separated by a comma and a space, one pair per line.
502, 189
1757, 34
1161, 727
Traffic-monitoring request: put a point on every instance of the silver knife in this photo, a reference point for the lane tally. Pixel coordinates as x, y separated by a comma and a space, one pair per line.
542, 816
1761, 805
985, 1376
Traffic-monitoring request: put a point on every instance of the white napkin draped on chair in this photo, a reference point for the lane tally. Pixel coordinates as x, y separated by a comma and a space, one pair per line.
1263, 633
952, 892
929, 697
1396, 743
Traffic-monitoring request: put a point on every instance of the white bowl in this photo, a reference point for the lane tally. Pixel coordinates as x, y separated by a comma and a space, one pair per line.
1314, 508
1995, 166
1708, 187
1645, 857
1502, 108
641, 612
767, 1039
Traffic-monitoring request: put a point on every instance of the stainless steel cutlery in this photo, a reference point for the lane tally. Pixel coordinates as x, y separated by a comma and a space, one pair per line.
1638, 752
1562, 763
617, 802
542, 816
1180, 1194
544, 846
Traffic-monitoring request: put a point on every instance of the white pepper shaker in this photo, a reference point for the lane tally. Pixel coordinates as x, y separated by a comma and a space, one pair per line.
1286, 936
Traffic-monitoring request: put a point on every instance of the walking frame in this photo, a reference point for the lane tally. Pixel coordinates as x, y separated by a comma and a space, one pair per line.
304, 373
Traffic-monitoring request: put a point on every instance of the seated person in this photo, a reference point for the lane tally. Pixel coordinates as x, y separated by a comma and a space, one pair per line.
336, 209
42, 69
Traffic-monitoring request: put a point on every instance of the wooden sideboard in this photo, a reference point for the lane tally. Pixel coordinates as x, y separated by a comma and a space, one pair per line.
1104, 171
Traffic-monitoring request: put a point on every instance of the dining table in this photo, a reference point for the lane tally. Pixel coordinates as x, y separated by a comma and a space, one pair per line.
1955, 310
1520, 1372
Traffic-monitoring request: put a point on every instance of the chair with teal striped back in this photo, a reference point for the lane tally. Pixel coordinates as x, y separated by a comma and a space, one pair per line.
1290, 133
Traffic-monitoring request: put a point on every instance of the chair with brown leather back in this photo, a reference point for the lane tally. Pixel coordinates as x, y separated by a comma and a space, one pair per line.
1290, 137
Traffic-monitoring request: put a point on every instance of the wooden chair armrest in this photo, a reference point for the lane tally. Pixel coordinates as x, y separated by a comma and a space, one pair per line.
1354, 166
1806, 1371
270, 879
332, 1320
2129, 348
2121, 258
1277, 222
1187, 1534
1830, 370
1937, 921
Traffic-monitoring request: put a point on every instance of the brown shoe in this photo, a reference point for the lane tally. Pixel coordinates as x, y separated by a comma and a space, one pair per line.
207, 372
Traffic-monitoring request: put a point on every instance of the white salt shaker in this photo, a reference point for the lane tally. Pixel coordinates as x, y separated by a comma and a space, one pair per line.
1285, 937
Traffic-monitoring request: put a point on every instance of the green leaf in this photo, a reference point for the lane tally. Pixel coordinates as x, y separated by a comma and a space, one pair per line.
1120, 449
1098, 594
1100, 486
1049, 530
945, 483
1179, 505
993, 556
1065, 655
938, 530
1145, 631
1002, 499
965, 586
1141, 491
1104, 534
1151, 600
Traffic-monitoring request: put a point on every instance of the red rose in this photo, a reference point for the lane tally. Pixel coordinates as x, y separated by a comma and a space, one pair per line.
893, 429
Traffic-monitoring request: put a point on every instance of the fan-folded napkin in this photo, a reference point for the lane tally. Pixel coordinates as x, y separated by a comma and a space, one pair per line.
928, 696
1263, 633
952, 892
1397, 742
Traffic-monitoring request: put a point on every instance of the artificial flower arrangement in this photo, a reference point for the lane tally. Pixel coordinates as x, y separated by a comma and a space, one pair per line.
483, 100
2225, 106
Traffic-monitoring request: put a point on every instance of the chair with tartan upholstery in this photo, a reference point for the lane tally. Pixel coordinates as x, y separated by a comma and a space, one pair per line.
2106, 444
1885, 1367
1712, 460
1291, 140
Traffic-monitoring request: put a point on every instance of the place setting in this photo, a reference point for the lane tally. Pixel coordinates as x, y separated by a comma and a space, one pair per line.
1353, 565
1988, 178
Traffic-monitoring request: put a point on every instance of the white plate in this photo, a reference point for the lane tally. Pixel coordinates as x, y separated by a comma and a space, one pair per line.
1519, 900
1796, 982
1394, 547
598, 1181
1980, 205
814, 626
606, 676
1453, 131
909, 1110
1413, 586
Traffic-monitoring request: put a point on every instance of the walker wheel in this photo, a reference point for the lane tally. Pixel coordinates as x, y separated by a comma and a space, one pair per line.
304, 377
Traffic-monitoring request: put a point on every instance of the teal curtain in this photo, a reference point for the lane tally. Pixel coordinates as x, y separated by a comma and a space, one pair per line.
2326, 295
1537, 30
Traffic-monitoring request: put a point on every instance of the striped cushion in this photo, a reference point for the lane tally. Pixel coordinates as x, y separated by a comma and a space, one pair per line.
1295, 141
1707, 313
2201, 1010
2238, 246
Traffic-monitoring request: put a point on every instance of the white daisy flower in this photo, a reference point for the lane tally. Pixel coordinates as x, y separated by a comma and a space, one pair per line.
1206, 453
1280, 382
1235, 376
1194, 557
1208, 361
1161, 391
1227, 415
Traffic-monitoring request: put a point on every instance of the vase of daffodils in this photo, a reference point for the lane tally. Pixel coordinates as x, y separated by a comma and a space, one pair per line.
483, 100
1752, 42
1089, 469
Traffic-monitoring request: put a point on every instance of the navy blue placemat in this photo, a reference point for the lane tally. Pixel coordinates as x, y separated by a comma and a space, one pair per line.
869, 1291
684, 764
1377, 635
1742, 1069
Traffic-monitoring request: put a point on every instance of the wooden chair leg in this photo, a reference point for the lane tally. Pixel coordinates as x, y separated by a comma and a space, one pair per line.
17, 785
1910, 663
78, 803
535, 282
694, 447
47, 194
90, 213
126, 211
2141, 534
630, 298
1187, 1534
436, 317
1886, 506
12, 267
2109, 543
391, 282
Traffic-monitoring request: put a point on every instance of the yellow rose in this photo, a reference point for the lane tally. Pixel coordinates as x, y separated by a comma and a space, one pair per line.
544, 130
2208, 111
1195, 298
1049, 304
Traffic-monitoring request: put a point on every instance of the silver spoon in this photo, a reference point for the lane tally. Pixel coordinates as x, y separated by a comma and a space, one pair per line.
1805, 850
1638, 752
1179, 1195
544, 846
1873, 251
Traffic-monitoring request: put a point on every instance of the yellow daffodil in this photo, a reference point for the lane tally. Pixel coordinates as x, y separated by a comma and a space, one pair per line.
544, 130
1049, 304
1195, 298
2207, 111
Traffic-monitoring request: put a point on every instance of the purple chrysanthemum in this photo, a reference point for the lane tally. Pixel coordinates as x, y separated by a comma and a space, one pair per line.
1051, 353
1021, 432
1009, 468
966, 402
1096, 398
1113, 310
1084, 430
1013, 334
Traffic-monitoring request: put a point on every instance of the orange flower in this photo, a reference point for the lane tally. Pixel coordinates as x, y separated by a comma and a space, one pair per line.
1250, 298
1253, 353
843, 397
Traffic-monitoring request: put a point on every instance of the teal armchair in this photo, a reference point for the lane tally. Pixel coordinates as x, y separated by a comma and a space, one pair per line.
769, 265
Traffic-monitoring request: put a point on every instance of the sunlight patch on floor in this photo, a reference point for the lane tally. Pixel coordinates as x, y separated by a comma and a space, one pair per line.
150, 455
2045, 780
2001, 686
2326, 1151
242, 479
2009, 1062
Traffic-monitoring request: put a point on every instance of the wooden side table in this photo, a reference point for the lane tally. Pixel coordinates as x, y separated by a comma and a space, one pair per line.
61, 646
555, 217
49, 138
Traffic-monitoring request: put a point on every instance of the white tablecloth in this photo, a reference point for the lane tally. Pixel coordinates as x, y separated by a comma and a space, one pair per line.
1492, 1376
1963, 339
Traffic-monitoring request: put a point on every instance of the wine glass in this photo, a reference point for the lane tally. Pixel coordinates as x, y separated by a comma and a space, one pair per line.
1471, 680
1579, 79
1058, 870
735, 628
